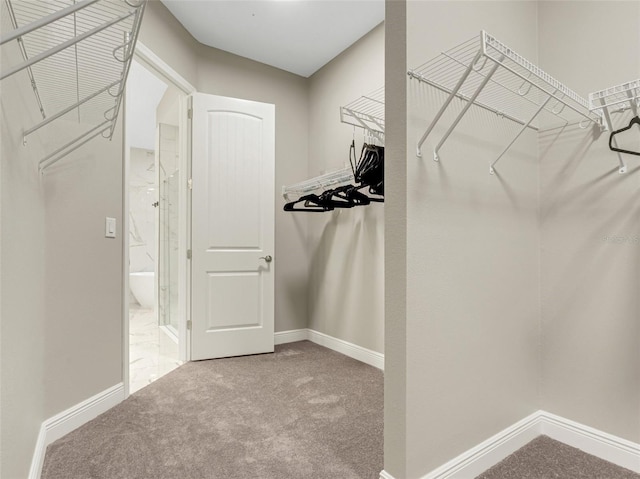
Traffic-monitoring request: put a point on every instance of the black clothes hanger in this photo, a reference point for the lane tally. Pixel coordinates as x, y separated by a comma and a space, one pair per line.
352, 194
370, 167
368, 172
634, 121
311, 204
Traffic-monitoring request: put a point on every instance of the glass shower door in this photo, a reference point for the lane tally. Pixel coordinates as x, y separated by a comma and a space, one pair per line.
168, 180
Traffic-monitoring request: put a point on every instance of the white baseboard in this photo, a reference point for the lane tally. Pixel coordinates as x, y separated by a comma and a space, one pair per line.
292, 336
606, 446
61, 424
490, 452
354, 351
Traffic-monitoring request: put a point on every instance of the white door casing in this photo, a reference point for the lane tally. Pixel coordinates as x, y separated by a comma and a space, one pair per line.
233, 171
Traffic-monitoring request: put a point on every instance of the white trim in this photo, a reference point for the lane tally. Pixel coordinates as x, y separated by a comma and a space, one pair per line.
354, 351
367, 356
61, 424
144, 55
385, 475
126, 165
478, 459
490, 452
291, 336
606, 446
154, 63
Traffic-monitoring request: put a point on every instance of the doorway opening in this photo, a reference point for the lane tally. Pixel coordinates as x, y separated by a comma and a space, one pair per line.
154, 207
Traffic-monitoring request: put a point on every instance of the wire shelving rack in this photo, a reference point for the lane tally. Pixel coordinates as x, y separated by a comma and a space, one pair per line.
616, 99
77, 56
318, 184
485, 72
366, 112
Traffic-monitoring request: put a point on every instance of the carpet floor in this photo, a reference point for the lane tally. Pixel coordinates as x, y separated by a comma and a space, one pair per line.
544, 458
303, 412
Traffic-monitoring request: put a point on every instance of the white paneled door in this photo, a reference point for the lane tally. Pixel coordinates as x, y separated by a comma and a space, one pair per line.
232, 233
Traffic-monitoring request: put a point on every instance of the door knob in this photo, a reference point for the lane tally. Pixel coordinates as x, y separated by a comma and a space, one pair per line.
267, 258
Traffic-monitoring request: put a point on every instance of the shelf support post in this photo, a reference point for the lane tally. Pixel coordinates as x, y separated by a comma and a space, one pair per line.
466, 107
544, 103
452, 95
607, 117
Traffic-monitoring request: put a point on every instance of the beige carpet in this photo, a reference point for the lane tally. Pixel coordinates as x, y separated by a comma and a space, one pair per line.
302, 412
544, 458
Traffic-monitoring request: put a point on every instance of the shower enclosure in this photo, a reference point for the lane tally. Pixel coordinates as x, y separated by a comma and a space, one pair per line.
167, 267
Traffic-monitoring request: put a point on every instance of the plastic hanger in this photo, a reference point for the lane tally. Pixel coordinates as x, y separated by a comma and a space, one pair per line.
634, 121
312, 204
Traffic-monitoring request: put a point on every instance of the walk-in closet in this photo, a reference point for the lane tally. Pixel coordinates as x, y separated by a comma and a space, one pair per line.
394, 239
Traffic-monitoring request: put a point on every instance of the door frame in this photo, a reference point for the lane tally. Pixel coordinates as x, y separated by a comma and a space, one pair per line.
154, 63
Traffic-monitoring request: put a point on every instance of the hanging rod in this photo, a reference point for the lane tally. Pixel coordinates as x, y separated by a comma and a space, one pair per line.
623, 97
72, 145
484, 72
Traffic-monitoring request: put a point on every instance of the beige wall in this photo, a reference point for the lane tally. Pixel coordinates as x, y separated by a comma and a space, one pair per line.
473, 295
61, 279
346, 247
22, 275
83, 347
590, 223
395, 233
521, 289
168, 39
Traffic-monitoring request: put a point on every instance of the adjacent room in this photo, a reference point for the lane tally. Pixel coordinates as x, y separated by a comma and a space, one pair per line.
361, 239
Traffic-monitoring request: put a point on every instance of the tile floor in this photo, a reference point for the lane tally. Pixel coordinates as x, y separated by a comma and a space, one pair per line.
152, 353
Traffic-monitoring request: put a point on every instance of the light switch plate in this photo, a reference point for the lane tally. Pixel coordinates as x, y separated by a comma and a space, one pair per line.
110, 227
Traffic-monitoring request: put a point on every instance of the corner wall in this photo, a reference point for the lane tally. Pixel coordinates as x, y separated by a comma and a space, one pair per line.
22, 274
473, 293
61, 279
346, 247
590, 224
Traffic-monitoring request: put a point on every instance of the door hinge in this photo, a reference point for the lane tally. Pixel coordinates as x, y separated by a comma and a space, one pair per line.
188, 254
190, 113
189, 325
190, 183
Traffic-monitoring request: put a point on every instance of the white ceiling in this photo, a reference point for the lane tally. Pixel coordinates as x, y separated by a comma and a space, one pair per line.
299, 36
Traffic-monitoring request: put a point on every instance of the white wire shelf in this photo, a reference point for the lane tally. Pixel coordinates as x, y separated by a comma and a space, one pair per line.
486, 73
366, 112
616, 99
318, 184
77, 56
621, 97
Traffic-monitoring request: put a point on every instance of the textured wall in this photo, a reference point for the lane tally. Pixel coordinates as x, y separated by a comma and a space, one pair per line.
61, 279
84, 277
473, 296
590, 223
346, 247
395, 233
22, 273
